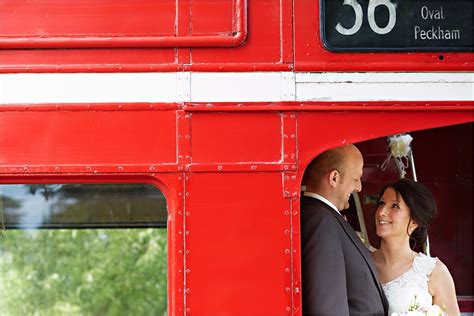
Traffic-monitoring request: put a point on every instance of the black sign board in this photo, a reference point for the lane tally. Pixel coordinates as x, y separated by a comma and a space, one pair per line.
397, 25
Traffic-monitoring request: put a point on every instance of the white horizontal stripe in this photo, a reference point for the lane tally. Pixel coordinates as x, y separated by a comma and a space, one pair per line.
233, 87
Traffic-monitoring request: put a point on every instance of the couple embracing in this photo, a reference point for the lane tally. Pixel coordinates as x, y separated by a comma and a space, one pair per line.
339, 275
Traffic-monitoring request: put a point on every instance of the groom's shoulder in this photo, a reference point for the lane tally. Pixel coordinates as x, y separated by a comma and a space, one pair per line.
316, 209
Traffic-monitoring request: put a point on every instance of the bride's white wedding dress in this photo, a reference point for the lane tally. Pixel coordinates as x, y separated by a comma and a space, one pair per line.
411, 287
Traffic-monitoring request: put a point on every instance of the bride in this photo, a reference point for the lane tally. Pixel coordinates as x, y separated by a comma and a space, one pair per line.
410, 280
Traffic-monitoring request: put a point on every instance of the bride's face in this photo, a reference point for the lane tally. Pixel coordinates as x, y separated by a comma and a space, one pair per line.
392, 216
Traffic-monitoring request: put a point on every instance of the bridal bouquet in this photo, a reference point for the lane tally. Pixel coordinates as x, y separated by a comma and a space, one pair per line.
415, 310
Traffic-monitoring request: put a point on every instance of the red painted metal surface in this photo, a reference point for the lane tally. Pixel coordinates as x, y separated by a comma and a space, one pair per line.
274, 35
228, 138
62, 137
268, 47
124, 23
230, 242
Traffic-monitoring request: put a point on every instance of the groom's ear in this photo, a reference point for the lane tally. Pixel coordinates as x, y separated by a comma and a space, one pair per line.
333, 177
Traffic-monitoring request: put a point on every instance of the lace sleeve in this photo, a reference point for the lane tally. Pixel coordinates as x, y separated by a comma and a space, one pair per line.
424, 264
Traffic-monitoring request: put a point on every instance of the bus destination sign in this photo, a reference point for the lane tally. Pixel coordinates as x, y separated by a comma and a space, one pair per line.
397, 25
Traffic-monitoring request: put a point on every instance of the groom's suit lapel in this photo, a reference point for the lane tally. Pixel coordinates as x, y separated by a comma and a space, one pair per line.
352, 235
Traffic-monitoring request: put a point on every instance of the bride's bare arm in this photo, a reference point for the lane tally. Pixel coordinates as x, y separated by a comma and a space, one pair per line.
441, 286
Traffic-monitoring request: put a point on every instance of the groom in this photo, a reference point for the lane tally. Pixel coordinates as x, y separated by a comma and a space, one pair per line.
339, 277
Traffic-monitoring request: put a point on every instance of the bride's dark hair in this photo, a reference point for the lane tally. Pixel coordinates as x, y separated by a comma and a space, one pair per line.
422, 206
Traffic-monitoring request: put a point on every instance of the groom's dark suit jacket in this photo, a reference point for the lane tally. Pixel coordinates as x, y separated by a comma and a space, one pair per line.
339, 277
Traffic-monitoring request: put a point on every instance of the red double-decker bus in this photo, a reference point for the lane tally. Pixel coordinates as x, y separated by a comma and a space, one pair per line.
152, 152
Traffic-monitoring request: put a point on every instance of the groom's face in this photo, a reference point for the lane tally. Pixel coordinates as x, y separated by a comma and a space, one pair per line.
349, 181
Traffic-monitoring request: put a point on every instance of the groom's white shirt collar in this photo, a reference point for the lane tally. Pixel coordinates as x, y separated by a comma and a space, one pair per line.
322, 199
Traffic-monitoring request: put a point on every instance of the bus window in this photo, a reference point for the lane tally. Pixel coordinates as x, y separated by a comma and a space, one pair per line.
83, 249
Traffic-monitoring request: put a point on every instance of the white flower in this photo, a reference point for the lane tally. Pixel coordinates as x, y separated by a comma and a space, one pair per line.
434, 310
415, 313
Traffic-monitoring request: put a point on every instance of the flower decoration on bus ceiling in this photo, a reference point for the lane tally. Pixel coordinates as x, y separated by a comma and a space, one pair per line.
400, 149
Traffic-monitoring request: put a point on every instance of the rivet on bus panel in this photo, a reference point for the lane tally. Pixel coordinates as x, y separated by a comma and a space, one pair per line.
187, 232
286, 213
253, 167
187, 194
180, 232
287, 251
188, 251
219, 167
188, 137
188, 213
57, 169
286, 193
285, 167
293, 177
152, 168
288, 309
120, 168
287, 178
187, 178
287, 231
188, 271
287, 270
188, 310
287, 290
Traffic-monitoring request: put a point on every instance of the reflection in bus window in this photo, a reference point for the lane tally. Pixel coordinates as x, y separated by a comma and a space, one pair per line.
83, 249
